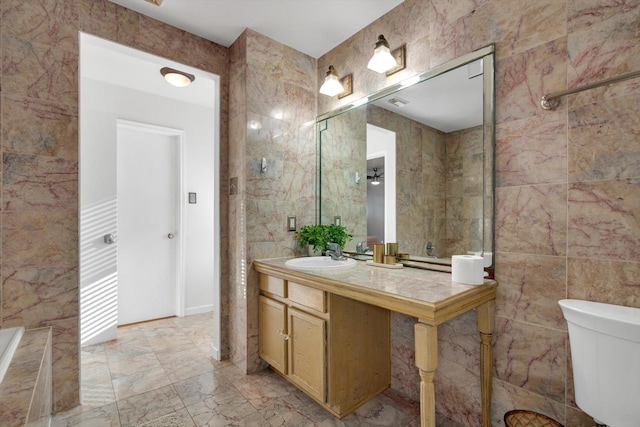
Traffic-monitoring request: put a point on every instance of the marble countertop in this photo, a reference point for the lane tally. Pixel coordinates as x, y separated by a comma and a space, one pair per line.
430, 295
16, 389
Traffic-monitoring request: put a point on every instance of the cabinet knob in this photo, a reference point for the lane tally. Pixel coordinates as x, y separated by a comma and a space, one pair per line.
284, 336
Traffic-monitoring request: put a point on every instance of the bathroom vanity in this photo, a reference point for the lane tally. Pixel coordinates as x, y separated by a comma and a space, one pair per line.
327, 331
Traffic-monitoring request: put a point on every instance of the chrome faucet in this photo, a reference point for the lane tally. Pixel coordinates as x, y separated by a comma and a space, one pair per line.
362, 248
335, 252
431, 250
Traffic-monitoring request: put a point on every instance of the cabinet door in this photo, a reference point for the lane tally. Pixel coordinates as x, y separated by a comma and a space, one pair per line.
272, 330
307, 353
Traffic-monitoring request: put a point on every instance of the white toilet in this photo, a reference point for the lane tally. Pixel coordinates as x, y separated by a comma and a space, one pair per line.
605, 351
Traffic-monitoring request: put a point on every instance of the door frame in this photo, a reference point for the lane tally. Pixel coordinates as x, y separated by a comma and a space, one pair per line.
180, 288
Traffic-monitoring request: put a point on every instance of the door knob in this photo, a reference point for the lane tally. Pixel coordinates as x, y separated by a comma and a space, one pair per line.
109, 239
170, 235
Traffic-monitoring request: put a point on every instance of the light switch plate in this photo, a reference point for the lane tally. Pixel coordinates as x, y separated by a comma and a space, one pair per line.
291, 223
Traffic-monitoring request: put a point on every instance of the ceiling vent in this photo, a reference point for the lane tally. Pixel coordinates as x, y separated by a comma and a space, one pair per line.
398, 102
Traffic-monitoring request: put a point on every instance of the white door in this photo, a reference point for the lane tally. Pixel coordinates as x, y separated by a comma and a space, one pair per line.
148, 183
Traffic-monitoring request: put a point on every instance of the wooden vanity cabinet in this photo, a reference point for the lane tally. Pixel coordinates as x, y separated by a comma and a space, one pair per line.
333, 348
272, 327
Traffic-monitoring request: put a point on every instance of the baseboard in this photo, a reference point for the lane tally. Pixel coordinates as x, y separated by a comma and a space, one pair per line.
198, 310
215, 352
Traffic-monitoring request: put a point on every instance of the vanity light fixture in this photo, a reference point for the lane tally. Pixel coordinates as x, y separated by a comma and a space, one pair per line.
176, 77
333, 86
382, 60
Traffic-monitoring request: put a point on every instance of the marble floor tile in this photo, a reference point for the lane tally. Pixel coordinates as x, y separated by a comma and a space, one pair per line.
262, 388
139, 382
117, 350
160, 374
106, 416
149, 406
201, 387
123, 367
179, 418
380, 411
167, 342
229, 407
185, 363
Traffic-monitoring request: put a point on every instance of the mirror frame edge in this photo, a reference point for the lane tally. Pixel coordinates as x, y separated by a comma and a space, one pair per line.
490, 131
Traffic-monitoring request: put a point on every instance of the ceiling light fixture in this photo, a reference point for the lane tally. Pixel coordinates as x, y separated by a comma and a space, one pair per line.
333, 86
176, 77
375, 179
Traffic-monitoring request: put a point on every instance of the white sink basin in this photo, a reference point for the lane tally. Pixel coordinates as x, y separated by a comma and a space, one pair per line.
319, 262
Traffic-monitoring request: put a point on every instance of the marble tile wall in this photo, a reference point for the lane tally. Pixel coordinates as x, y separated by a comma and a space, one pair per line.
566, 181
343, 153
39, 145
550, 242
464, 191
273, 105
420, 202
420, 181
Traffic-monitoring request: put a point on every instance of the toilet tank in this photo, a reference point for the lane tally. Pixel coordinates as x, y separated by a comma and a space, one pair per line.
605, 353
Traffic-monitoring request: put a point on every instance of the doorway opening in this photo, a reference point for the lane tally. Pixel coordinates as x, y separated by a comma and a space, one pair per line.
381, 153
120, 87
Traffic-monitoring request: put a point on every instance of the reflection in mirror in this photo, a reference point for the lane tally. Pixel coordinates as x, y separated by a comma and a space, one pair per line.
414, 165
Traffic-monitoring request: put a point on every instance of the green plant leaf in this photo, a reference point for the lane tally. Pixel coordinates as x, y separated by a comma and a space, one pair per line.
319, 236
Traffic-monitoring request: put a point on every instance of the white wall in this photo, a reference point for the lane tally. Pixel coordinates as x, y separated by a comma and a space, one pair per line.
101, 105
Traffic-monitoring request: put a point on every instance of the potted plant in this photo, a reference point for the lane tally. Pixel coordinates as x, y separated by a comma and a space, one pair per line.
317, 237
337, 234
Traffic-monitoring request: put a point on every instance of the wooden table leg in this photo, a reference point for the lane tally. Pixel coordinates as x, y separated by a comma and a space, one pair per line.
426, 342
486, 326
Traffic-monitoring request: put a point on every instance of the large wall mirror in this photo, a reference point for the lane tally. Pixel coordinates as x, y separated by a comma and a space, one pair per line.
414, 164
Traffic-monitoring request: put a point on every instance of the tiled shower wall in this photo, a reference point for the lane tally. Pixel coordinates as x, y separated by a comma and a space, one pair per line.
568, 181
39, 128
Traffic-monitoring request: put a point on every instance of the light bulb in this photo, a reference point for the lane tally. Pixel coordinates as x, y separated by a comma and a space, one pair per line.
382, 60
331, 85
